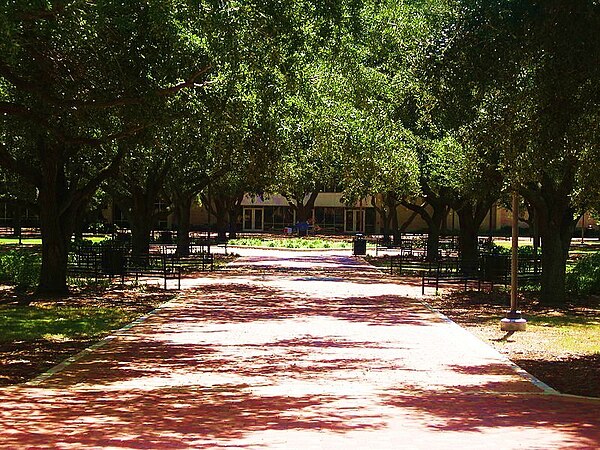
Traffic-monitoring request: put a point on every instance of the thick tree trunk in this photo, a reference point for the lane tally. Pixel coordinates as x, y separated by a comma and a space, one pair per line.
55, 252
434, 223
434, 228
304, 210
556, 240
56, 230
555, 219
222, 224
385, 219
182, 214
303, 213
233, 216
385, 222
221, 212
468, 239
141, 229
395, 225
141, 220
433, 242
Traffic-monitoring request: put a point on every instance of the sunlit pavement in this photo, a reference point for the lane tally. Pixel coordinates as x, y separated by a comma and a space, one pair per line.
294, 351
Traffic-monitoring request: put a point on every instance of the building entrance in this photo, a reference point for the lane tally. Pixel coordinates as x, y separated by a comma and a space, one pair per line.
355, 219
253, 219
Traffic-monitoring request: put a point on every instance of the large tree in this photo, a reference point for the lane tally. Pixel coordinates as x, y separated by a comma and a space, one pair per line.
387, 109
524, 75
75, 78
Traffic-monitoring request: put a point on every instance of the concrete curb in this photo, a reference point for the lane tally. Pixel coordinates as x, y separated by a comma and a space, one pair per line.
546, 389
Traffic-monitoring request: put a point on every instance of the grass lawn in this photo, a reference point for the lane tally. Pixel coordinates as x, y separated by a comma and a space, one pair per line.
560, 347
59, 323
38, 241
24, 241
36, 336
293, 242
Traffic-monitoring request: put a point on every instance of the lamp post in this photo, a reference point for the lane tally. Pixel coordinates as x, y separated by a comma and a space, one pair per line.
513, 320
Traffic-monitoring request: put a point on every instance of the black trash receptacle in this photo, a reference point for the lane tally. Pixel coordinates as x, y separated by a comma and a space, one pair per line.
496, 268
113, 261
359, 245
165, 237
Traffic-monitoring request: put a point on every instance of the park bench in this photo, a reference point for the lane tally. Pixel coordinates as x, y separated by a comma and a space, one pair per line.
195, 261
451, 271
406, 246
92, 262
198, 258
496, 269
154, 266
408, 264
110, 262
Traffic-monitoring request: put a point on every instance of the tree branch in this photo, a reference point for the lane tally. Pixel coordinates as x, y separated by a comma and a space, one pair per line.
191, 82
29, 173
14, 109
45, 14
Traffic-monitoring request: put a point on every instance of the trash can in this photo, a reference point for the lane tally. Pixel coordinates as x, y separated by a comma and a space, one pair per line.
165, 237
496, 268
113, 261
359, 245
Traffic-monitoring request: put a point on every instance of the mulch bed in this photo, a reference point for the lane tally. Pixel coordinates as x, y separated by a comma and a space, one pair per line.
480, 313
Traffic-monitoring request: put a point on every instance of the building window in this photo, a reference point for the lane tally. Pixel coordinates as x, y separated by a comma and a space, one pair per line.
329, 219
278, 217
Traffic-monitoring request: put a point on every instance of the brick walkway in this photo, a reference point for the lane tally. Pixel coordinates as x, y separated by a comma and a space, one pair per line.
303, 351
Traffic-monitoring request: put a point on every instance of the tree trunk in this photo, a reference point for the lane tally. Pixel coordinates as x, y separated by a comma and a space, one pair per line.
385, 221
555, 219
556, 240
434, 223
304, 210
233, 215
56, 230
396, 231
385, 218
141, 229
468, 239
17, 230
221, 212
222, 224
55, 252
303, 213
433, 242
182, 213
141, 220
434, 227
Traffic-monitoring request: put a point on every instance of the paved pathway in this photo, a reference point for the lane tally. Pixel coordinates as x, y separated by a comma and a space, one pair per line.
307, 351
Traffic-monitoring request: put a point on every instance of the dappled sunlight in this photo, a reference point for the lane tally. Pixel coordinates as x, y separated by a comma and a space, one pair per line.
537, 420
287, 358
167, 418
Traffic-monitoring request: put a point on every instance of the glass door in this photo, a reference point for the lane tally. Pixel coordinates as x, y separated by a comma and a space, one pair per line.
354, 221
253, 219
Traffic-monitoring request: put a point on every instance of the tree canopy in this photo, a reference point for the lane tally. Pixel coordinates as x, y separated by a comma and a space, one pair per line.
433, 104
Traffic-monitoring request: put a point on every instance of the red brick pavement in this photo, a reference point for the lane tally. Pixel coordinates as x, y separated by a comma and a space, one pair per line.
303, 351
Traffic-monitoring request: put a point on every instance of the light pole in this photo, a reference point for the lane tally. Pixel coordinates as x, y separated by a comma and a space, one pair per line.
513, 320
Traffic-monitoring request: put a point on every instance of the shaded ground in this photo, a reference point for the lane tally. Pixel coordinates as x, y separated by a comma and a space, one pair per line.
23, 360
306, 352
546, 349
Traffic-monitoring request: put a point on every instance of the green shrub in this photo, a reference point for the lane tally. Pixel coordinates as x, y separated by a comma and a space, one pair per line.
584, 278
20, 267
524, 250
